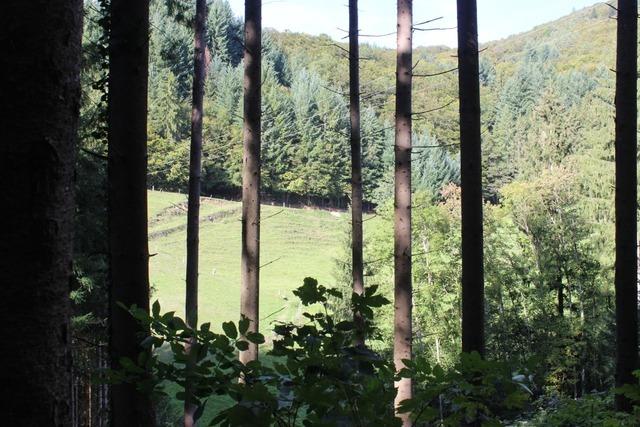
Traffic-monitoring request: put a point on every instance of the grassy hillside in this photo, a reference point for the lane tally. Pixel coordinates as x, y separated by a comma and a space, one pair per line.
295, 243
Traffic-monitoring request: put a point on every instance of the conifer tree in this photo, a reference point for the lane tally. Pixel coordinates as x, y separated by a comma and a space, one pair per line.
127, 194
195, 176
626, 198
250, 262
402, 330
471, 179
41, 52
357, 265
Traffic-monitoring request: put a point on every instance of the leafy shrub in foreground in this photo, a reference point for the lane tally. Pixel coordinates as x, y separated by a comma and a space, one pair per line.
318, 377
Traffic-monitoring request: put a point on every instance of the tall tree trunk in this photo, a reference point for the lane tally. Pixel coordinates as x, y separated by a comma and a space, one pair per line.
560, 290
127, 193
471, 179
626, 197
40, 44
250, 292
402, 330
356, 167
195, 172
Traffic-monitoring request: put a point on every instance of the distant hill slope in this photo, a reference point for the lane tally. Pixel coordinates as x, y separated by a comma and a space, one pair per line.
585, 41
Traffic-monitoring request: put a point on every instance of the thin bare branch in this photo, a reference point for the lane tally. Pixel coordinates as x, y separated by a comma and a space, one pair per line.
436, 74
434, 109
270, 262
271, 216
434, 29
94, 154
428, 21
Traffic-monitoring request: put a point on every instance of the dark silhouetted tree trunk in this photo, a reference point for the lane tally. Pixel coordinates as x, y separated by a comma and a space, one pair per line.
356, 166
402, 330
471, 179
40, 44
195, 172
560, 290
127, 193
626, 198
250, 274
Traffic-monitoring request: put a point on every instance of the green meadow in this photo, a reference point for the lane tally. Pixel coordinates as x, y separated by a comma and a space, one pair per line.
295, 243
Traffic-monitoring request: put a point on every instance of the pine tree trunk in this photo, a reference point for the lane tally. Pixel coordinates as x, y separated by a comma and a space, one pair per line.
471, 179
250, 263
402, 331
195, 172
356, 167
40, 44
626, 198
127, 193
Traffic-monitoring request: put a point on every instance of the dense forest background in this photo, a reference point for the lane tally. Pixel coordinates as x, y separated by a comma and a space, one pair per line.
548, 134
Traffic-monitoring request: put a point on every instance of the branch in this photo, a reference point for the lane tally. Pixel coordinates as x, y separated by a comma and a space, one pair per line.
434, 146
270, 262
340, 47
370, 218
434, 109
377, 35
334, 91
480, 51
436, 74
274, 313
94, 154
271, 216
435, 29
428, 21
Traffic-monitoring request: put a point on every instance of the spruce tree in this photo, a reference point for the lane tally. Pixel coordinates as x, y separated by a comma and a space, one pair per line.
403, 301
626, 203
250, 261
127, 194
41, 52
195, 177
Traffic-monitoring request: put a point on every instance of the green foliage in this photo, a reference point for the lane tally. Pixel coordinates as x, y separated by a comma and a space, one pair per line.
224, 32
318, 377
474, 390
591, 410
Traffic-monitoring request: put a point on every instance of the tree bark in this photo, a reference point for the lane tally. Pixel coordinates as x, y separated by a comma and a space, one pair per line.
402, 331
357, 266
560, 291
626, 198
127, 194
40, 42
471, 179
195, 173
250, 263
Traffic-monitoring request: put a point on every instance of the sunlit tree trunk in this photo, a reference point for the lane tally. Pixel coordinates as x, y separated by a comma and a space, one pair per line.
356, 166
195, 171
402, 330
250, 263
626, 197
40, 97
127, 193
471, 179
